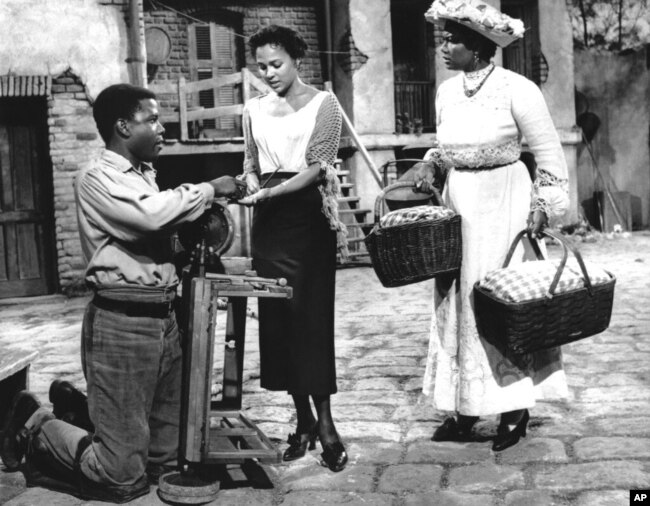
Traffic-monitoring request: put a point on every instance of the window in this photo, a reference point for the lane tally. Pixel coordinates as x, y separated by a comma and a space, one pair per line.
213, 50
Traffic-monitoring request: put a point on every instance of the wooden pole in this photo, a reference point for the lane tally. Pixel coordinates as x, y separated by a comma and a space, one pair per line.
362, 149
182, 108
137, 58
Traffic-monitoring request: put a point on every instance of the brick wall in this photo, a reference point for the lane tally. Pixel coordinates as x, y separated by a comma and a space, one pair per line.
74, 141
303, 19
176, 65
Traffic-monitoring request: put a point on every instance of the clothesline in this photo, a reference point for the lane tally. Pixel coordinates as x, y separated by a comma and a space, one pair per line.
161, 5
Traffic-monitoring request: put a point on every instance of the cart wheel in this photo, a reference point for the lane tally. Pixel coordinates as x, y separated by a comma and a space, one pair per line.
186, 488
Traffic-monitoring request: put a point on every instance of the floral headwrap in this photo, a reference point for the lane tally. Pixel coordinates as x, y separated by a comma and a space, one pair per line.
480, 17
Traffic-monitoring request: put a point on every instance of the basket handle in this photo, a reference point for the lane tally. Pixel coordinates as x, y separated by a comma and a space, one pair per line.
566, 247
513, 247
399, 184
576, 254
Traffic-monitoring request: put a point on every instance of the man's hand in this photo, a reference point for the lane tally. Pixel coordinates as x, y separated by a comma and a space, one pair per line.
228, 186
537, 222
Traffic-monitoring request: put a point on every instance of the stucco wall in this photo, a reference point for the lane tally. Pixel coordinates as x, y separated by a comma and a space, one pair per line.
557, 45
373, 82
618, 91
47, 37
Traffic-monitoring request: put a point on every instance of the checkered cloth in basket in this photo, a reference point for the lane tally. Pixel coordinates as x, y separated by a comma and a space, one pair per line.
531, 280
415, 215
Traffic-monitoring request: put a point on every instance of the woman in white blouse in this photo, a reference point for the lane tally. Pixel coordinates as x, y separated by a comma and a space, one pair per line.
482, 114
292, 139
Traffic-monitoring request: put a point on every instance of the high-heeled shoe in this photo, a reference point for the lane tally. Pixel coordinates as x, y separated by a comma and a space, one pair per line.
298, 444
334, 456
506, 438
451, 430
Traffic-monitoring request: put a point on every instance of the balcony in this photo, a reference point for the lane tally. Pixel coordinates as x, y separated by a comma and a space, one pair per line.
414, 106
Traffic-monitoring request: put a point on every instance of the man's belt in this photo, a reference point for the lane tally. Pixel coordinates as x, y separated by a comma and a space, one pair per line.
132, 308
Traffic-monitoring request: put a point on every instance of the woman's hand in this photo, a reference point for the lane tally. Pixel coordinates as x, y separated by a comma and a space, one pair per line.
252, 183
263, 194
424, 177
537, 222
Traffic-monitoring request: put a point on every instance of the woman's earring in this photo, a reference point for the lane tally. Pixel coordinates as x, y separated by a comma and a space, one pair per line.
475, 60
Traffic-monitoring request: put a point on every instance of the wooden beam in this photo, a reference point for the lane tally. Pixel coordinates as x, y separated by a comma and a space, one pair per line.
257, 83
215, 112
164, 87
182, 108
215, 82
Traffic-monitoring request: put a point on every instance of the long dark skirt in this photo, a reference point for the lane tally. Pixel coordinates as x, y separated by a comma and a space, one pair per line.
292, 239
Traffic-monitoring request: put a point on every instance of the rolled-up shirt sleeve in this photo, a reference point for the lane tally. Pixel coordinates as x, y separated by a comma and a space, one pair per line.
130, 212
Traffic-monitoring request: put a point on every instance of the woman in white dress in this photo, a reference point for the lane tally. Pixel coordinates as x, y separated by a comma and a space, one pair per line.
482, 114
292, 138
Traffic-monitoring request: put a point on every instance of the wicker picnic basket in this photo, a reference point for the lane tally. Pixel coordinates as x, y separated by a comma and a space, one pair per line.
548, 321
413, 252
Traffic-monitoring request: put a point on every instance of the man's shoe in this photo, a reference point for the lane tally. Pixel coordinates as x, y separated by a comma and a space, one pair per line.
70, 405
14, 437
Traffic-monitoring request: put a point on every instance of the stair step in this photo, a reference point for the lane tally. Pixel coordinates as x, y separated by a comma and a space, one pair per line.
354, 211
360, 225
349, 199
358, 255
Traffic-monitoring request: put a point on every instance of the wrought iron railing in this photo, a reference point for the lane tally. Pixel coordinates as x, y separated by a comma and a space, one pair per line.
416, 100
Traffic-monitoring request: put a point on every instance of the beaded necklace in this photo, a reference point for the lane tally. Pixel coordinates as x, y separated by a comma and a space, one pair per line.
480, 76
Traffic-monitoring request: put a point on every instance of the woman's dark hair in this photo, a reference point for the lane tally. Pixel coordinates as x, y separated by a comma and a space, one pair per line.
289, 39
472, 40
119, 101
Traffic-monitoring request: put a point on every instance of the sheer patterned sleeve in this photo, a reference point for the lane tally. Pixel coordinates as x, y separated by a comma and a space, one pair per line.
322, 149
551, 185
251, 159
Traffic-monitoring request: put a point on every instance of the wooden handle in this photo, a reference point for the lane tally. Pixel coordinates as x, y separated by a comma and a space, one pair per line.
566, 247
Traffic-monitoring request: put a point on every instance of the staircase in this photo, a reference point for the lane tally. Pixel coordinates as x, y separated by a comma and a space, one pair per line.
359, 221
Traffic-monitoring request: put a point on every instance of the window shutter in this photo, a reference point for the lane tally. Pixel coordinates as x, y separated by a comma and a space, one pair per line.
213, 53
224, 60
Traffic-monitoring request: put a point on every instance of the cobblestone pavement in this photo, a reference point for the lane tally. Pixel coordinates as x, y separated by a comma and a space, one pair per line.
588, 451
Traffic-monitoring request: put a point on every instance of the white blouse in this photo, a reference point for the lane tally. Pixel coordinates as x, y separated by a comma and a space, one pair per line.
282, 140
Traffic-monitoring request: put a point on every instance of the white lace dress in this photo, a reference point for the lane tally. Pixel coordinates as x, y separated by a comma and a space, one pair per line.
464, 373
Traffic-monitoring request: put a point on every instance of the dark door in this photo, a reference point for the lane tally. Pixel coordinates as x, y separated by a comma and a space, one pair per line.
26, 217
525, 55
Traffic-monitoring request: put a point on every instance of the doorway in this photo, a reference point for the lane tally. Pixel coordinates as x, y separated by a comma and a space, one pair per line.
414, 63
26, 211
